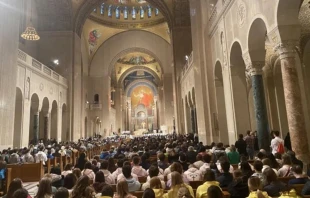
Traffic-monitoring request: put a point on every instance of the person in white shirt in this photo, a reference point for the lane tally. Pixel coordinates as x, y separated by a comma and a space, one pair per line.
199, 161
207, 159
88, 171
41, 156
136, 169
68, 170
109, 179
275, 142
118, 171
193, 174
154, 171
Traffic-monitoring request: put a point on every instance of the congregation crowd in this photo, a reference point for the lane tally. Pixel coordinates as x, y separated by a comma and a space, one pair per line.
241, 169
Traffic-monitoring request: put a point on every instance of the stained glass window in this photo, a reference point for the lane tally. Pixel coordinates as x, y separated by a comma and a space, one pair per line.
134, 12
110, 11
102, 9
149, 11
117, 12
125, 12
156, 11
95, 10
141, 12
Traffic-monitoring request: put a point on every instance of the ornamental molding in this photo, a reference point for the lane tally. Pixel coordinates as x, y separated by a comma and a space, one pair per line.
242, 13
286, 49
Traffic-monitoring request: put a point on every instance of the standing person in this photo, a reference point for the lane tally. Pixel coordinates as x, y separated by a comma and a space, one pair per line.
256, 146
241, 145
249, 145
233, 155
277, 144
287, 141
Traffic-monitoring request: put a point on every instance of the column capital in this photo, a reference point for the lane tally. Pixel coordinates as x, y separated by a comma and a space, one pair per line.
252, 67
286, 49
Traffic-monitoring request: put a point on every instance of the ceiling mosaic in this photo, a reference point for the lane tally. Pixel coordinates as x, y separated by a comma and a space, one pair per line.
138, 75
136, 60
96, 34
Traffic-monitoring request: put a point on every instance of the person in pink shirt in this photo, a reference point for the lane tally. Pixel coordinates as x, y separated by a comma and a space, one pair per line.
137, 169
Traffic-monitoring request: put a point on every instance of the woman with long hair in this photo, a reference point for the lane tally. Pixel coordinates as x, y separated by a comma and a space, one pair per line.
176, 184
99, 182
81, 161
14, 186
79, 188
77, 172
238, 187
272, 186
111, 166
88, 171
156, 185
255, 187
215, 192
69, 182
45, 189
122, 190
148, 193
246, 170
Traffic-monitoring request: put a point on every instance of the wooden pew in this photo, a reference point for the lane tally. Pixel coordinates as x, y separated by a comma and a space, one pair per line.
8, 179
298, 188
138, 194
27, 172
195, 184
285, 179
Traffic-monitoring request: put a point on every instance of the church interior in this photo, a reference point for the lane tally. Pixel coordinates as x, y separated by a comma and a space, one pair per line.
70, 69
213, 70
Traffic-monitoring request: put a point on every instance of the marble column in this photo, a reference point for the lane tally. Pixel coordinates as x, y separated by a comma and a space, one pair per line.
9, 37
293, 103
47, 126
260, 111
36, 127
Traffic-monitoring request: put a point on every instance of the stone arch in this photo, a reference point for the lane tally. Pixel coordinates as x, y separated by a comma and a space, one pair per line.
287, 12
104, 59
136, 68
89, 5
34, 118
256, 40
239, 89
44, 124
53, 120
137, 83
65, 133
220, 119
17, 141
133, 49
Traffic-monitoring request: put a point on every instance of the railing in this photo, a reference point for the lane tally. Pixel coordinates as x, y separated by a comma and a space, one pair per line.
95, 106
217, 12
188, 63
31, 62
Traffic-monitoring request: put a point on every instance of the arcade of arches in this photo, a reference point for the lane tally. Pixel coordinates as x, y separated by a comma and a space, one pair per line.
216, 68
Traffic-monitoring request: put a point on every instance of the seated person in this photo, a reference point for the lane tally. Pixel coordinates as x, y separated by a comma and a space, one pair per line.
272, 185
121, 176
267, 164
157, 187
199, 161
258, 167
225, 178
238, 188
109, 179
137, 169
209, 180
153, 173
255, 187
233, 155
306, 189
133, 184
123, 190
299, 177
178, 168
215, 192
285, 171
162, 163
107, 191
176, 184
193, 174
206, 165
118, 171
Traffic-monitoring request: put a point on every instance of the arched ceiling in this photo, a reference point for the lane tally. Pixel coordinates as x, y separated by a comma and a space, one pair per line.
68, 15
136, 66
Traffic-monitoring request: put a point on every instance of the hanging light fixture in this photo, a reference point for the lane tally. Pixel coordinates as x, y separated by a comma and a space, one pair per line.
30, 33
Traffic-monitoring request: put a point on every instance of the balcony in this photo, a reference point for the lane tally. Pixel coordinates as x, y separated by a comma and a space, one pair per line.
217, 12
43, 70
188, 64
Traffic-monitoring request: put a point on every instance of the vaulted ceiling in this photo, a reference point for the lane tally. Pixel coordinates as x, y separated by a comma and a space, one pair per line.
66, 15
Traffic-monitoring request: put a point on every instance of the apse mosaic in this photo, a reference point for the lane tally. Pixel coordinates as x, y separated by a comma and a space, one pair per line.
93, 37
138, 75
142, 95
136, 60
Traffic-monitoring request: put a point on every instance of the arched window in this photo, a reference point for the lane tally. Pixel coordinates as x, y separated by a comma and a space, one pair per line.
96, 99
125, 12
134, 13
149, 11
110, 11
156, 11
141, 12
117, 12
102, 9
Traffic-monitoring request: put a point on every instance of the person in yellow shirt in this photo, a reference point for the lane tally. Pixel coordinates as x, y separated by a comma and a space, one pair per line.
289, 194
209, 178
156, 185
176, 184
255, 187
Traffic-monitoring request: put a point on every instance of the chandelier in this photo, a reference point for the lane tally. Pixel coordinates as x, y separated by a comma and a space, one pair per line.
30, 33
